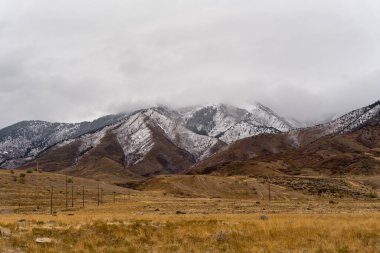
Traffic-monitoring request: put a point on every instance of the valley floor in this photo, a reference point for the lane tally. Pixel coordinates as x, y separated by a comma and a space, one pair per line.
174, 219
168, 224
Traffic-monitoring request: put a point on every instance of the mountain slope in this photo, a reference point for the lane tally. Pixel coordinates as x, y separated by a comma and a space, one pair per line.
146, 143
24, 140
295, 142
199, 131
159, 140
349, 144
368, 115
354, 153
229, 123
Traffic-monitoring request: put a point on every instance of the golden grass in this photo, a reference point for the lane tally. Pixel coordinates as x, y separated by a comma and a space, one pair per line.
147, 222
129, 227
34, 190
205, 233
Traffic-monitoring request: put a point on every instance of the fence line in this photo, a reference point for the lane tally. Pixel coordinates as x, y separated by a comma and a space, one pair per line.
52, 198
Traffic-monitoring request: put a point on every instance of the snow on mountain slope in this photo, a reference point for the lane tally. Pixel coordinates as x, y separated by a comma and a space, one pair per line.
138, 135
26, 139
264, 116
353, 119
243, 130
347, 123
213, 119
198, 131
172, 125
135, 138
230, 123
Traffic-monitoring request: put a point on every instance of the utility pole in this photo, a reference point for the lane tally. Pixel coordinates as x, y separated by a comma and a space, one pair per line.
83, 196
98, 195
19, 197
269, 196
101, 195
72, 192
114, 197
51, 200
36, 196
66, 192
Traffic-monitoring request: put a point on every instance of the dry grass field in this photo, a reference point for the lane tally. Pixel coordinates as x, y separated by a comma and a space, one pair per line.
157, 221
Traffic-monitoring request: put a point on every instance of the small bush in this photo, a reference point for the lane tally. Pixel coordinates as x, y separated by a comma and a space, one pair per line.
221, 237
12, 172
29, 171
22, 178
372, 195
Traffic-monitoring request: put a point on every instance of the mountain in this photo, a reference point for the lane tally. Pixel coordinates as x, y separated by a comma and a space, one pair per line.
348, 144
147, 142
160, 140
24, 140
229, 123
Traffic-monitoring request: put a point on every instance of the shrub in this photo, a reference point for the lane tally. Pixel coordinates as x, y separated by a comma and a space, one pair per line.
372, 195
221, 237
22, 178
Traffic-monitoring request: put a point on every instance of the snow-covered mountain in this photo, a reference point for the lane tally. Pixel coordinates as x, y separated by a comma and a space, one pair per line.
368, 115
157, 139
229, 123
198, 132
136, 137
347, 144
354, 119
24, 140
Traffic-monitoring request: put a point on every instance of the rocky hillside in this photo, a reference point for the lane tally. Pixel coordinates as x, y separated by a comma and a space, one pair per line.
197, 132
24, 140
205, 139
349, 144
230, 123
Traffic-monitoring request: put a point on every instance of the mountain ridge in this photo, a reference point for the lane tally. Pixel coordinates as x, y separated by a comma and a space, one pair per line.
24, 141
291, 143
160, 140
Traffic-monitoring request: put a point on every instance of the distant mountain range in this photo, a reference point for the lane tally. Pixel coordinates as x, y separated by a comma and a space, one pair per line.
193, 129
158, 140
349, 144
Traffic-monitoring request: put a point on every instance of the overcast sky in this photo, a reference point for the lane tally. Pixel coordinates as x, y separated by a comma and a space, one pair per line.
73, 60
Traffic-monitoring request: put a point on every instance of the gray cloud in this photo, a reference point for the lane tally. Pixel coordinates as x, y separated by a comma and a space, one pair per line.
69, 60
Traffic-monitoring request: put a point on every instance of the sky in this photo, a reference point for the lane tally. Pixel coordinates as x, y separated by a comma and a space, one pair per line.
75, 60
